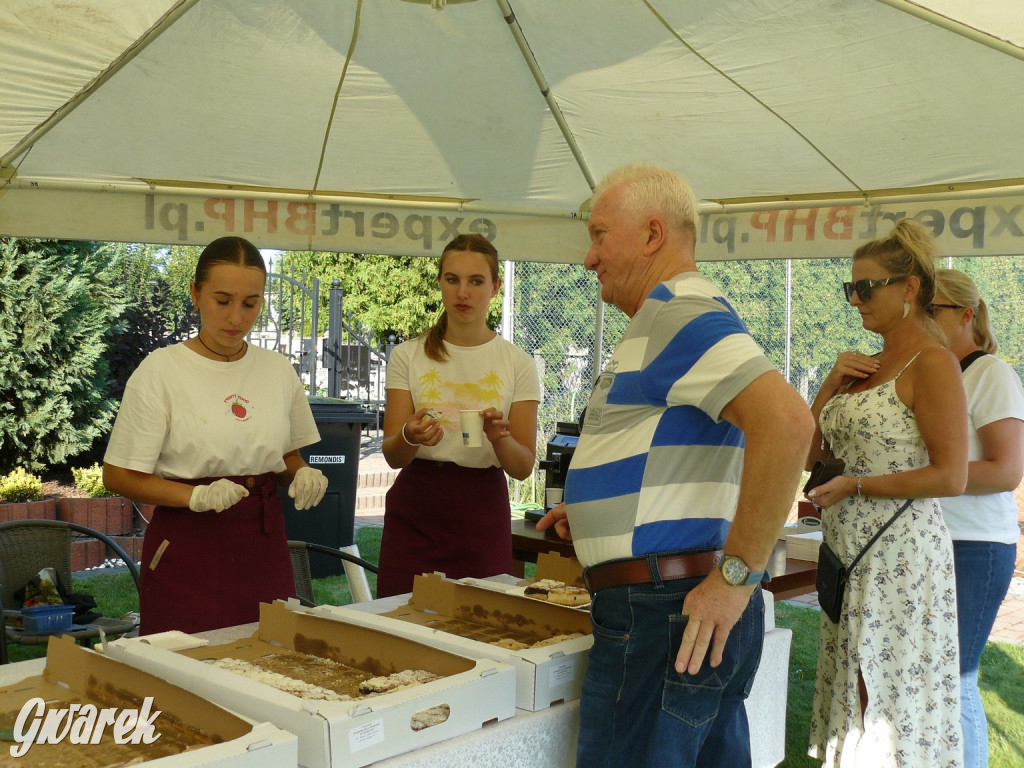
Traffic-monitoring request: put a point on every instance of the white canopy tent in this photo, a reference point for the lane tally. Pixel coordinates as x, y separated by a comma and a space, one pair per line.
386, 126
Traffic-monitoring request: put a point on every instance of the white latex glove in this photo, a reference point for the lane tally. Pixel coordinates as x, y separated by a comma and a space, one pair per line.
308, 487
217, 496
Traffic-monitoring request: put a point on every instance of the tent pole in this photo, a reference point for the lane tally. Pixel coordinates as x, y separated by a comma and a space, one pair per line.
951, 25
508, 308
598, 333
260, 193
545, 90
789, 314
949, 192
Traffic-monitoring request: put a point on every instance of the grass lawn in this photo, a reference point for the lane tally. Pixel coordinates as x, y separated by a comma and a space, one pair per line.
1001, 682
1002, 664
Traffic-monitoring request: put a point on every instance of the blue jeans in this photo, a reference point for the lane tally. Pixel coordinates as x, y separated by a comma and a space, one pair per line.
636, 711
983, 573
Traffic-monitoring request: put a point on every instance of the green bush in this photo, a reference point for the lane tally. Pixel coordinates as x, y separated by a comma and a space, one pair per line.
90, 480
19, 486
58, 300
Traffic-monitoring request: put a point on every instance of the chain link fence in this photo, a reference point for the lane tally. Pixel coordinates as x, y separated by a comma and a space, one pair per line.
794, 309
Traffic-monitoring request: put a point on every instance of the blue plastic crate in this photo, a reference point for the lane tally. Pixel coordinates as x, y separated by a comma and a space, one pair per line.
47, 618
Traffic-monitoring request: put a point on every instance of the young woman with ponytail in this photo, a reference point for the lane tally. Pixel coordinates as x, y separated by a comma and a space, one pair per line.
448, 510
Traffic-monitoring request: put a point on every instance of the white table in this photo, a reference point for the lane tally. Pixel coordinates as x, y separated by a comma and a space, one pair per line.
547, 738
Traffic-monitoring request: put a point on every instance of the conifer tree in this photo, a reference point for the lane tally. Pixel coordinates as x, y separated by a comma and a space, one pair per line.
58, 300
152, 318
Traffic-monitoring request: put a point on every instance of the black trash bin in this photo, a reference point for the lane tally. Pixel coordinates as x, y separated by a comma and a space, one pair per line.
332, 521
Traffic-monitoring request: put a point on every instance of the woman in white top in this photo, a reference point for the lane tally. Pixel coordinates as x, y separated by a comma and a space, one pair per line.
982, 522
448, 510
207, 429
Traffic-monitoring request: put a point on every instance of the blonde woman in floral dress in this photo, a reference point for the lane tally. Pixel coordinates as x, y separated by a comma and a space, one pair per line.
887, 690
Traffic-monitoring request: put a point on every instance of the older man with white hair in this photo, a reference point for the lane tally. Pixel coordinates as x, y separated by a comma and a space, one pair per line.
687, 465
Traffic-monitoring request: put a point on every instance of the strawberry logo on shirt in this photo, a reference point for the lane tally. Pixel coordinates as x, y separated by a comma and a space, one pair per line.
239, 407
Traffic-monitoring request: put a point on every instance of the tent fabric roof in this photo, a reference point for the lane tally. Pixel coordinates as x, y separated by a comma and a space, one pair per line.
385, 125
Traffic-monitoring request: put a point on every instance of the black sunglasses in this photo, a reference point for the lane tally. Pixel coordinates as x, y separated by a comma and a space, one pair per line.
930, 308
863, 287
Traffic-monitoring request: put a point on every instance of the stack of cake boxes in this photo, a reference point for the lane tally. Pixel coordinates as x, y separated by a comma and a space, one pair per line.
440, 609
481, 683
335, 734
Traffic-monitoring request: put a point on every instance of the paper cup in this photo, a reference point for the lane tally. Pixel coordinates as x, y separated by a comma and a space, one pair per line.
553, 496
472, 424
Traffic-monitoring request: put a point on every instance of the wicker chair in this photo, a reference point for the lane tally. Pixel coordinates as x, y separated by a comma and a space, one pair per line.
355, 570
28, 546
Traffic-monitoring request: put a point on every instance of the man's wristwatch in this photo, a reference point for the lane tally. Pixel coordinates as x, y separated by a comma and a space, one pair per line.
736, 573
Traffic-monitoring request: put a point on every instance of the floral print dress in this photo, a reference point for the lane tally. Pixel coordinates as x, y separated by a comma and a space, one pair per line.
899, 622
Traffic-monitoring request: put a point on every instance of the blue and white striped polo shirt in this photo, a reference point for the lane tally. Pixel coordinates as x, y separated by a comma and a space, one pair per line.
655, 470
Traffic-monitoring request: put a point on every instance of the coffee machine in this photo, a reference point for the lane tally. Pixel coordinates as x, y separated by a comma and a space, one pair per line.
555, 464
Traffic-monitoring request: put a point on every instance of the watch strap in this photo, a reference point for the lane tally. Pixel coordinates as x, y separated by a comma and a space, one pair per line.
756, 577
753, 577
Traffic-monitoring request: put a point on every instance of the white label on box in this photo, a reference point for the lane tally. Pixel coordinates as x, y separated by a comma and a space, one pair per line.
561, 674
326, 459
366, 735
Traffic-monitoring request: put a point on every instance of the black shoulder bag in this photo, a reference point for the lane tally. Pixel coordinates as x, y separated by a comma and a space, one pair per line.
833, 575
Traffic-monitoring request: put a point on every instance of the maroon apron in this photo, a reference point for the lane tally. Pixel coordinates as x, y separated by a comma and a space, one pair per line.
206, 570
439, 516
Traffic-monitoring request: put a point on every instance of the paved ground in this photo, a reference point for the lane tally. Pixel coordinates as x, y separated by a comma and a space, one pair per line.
375, 477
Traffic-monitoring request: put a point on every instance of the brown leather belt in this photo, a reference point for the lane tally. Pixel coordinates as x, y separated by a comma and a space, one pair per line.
620, 573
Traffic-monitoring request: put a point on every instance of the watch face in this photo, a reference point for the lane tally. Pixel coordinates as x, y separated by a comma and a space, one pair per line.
734, 570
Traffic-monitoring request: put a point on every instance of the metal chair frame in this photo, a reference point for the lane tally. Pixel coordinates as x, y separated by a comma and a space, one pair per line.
28, 546
355, 568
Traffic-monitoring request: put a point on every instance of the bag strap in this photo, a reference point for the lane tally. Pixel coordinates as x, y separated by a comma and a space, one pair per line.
965, 363
879, 533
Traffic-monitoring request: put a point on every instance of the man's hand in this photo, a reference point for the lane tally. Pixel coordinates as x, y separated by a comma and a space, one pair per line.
713, 608
557, 517
217, 496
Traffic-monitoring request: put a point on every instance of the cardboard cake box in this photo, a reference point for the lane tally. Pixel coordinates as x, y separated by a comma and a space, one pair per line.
335, 734
551, 565
74, 675
803, 546
442, 612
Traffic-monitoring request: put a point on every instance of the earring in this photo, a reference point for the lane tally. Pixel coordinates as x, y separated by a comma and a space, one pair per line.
906, 308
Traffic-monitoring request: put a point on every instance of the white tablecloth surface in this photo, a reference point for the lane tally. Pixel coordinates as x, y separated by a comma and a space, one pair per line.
547, 738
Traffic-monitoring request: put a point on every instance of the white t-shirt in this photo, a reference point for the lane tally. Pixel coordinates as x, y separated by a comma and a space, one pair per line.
993, 393
186, 417
491, 375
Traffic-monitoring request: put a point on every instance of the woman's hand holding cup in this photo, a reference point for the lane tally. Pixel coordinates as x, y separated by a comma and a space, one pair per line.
496, 426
